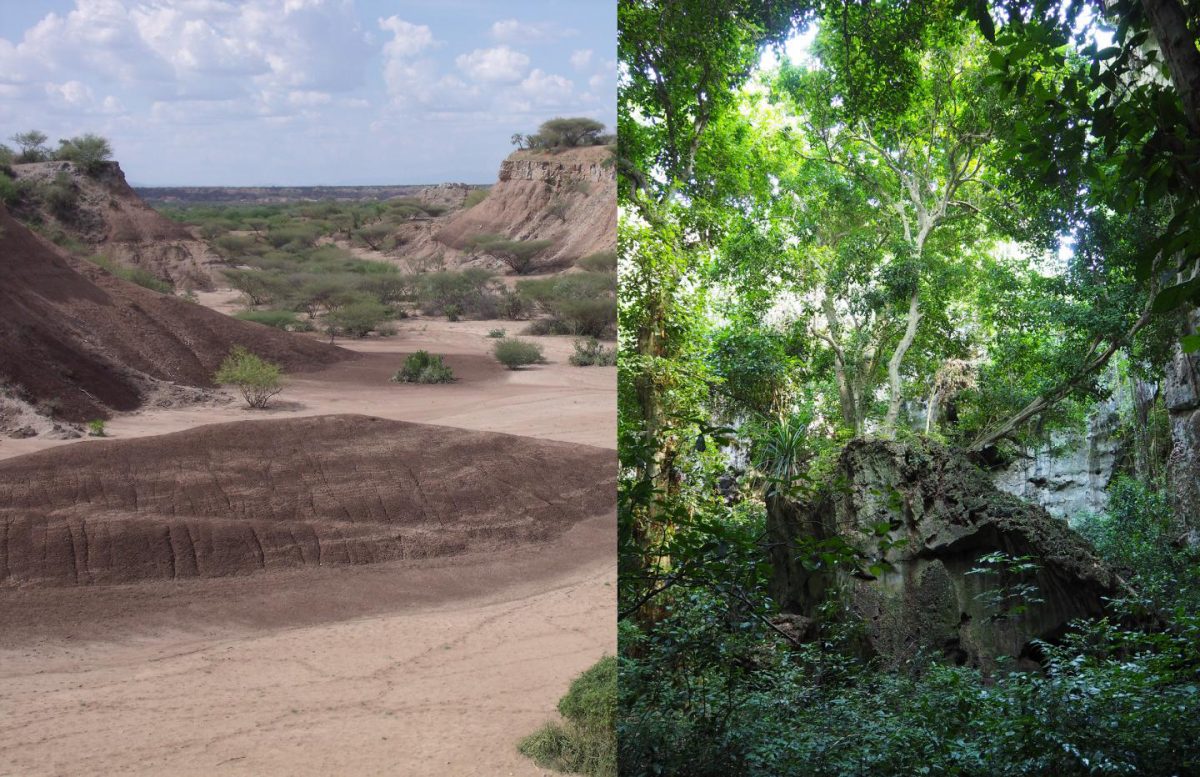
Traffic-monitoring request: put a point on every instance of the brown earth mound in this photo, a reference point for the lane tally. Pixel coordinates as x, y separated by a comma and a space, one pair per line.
74, 335
236, 498
568, 198
111, 219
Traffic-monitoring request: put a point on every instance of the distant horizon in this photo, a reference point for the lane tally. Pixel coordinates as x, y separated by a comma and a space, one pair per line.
348, 92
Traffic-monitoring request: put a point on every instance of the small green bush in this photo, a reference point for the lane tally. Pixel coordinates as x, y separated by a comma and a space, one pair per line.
357, 319
474, 197
605, 261
590, 353
257, 380
515, 354
497, 333
424, 367
96, 427
453, 312
586, 742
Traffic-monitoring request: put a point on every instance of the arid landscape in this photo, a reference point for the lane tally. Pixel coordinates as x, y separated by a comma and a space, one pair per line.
365, 576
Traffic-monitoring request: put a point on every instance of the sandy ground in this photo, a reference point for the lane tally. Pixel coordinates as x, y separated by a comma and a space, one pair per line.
384, 669
554, 401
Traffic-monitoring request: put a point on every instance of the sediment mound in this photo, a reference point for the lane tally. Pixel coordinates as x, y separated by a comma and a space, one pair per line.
104, 213
81, 342
236, 498
568, 197
921, 520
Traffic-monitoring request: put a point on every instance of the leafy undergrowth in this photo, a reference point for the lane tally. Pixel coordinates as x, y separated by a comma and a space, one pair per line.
585, 742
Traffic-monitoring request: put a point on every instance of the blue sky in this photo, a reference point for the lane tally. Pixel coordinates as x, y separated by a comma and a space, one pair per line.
290, 92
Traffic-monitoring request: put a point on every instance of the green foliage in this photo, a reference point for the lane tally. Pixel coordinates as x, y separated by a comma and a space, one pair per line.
256, 379
470, 292
604, 261
515, 353
590, 352
89, 151
566, 133
355, 319
61, 197
9, 193
424, 367
32, 146
712, 693
96, 428
496, 333
586, 742
474, 197
577, 303
519, 255
141, 276
1138, 534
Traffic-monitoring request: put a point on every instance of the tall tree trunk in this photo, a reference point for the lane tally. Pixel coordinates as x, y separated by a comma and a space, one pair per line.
1168, 20
894, 386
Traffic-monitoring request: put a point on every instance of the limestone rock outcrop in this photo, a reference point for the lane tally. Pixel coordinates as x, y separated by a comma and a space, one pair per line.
918, 519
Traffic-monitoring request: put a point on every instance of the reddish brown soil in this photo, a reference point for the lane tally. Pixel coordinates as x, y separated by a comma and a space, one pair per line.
73, 333
230, 499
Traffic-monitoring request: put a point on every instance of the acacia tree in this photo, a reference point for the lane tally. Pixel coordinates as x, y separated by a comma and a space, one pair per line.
32, 145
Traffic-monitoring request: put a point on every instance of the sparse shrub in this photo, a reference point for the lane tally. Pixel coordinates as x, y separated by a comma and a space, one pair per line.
558, 209
424, 367
517, 254
581, 303
386, 330
279, 319
470, 290
9, 193
142, 277
356, 319
590, 353
515, 354
62, 197
6, 155
89, 151
96, 427
260, 288
513, 306
258, 380
32, 145
453, 312
604, 261
586, 741
497, 333
578, 186
474, 197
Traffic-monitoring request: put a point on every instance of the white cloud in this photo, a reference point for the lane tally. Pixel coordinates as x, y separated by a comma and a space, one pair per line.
408, 39
546, 89
513, 31
498, 65
581, 58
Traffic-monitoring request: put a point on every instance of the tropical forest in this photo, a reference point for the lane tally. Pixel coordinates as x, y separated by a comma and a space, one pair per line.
909, 391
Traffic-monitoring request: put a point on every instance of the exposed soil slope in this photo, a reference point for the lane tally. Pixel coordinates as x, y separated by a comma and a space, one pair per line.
113, 220
568, 198
233, 498
73, 334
